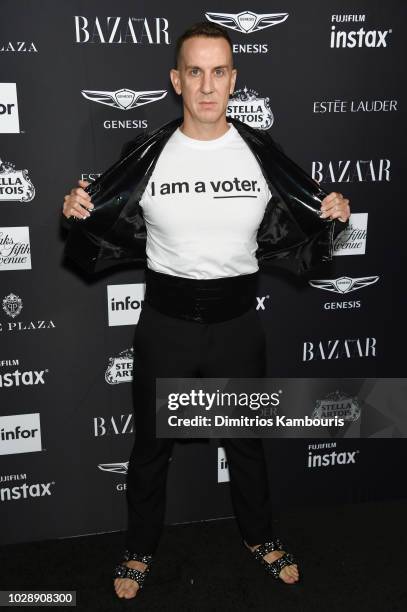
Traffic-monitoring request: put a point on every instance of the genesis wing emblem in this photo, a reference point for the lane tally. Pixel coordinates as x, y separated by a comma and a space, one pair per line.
247, 22
124, 99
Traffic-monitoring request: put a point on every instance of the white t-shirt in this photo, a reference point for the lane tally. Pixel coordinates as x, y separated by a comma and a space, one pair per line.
203, 205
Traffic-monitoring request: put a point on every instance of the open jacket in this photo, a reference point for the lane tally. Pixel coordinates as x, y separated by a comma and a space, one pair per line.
291, 234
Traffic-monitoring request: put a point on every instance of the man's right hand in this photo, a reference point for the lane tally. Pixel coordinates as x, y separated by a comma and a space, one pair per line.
78, 202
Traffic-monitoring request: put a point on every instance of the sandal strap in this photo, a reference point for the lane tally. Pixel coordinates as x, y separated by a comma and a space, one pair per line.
267, 547
134, 556
275, 567
122, 571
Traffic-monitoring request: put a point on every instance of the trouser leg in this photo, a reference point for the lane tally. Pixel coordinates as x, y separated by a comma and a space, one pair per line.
237, 349
163, 347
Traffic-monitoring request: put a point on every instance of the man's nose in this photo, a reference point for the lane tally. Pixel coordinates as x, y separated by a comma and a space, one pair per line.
207, 83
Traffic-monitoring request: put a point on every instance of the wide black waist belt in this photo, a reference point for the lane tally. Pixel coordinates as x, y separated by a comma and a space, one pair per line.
201, 300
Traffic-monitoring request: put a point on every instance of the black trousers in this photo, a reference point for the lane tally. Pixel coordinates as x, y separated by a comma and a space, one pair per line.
165, 346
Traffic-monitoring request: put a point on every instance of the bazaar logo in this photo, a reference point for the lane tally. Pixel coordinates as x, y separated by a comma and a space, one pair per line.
15, 185
120, 369
124, 99
247, 106
247, 22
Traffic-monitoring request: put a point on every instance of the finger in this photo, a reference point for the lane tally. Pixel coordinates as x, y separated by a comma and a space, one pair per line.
83, 183
79, 195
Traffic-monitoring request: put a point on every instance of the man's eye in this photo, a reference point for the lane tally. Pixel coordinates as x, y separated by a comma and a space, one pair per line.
219, 72
194, 71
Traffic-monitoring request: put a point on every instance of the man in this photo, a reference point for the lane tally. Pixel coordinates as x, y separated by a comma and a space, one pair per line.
204, 204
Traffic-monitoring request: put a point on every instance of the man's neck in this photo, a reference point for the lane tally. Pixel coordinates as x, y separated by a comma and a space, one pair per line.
204, 131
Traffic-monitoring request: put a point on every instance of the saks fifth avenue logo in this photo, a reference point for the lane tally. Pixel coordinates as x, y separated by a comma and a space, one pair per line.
12, 306
247, 22
318, 459
15, 185
15, 251
350, 39
124, 99
122, 30
247, 106
342, 285
352, 240
349, 348
120, 368
351, 171
339, 405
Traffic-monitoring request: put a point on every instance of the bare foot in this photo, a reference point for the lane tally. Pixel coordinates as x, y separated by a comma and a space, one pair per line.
126, 587
289, 573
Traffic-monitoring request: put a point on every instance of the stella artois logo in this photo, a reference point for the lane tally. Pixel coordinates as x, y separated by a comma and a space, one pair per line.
120, 368
247, 106
15, 185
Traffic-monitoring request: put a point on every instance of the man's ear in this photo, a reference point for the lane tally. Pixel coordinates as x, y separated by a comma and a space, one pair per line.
175, 80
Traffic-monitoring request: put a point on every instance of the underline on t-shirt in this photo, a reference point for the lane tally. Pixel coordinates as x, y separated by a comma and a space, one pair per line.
242, 196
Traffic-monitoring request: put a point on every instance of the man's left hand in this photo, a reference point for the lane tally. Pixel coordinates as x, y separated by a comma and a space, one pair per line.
335, 206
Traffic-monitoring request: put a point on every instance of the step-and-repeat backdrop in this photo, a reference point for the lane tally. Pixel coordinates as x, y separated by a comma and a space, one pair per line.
325, 80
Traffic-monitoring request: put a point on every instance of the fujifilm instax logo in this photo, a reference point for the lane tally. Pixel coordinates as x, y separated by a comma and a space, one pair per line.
124, 303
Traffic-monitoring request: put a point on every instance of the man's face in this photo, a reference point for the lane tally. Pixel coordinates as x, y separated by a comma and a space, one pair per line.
204, 77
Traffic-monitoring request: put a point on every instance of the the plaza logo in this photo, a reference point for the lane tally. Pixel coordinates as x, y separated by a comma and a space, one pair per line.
9, 120
124, 99
351, 171
113, 426
20, 378
352, 240
342, 285
348, 348
122, 30
350, 39
24, 490
248, 22
12, 306
18, 47
339, 405
124, 303
354, 106
120, 368
15, 251
319, 459
247, 106
20, 433
15, 185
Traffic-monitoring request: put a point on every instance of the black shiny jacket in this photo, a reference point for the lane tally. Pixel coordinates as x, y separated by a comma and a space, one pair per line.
291, 234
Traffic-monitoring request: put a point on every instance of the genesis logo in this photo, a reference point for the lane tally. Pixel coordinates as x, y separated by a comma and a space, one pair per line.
117, 468
124, 99
343, 284
247, 22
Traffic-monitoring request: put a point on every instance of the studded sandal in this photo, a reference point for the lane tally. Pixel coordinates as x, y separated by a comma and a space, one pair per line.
274, 568
123, 571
